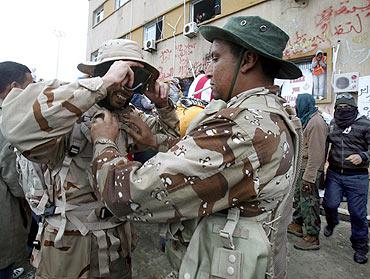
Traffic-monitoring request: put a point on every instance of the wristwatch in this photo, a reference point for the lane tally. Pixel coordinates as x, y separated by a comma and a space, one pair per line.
104, 141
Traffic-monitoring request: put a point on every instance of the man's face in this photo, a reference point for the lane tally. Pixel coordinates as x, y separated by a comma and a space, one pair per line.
118, 99
221, 69
342, 106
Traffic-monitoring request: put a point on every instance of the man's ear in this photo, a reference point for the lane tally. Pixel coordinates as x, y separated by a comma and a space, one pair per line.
14, 84
8, 88
249, 61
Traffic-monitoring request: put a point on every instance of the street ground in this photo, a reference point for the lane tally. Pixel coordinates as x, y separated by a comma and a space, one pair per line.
332, 261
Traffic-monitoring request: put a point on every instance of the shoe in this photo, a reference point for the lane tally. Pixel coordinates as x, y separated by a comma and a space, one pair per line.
360, 258
17, 272
295, 229
309, 242
328, 230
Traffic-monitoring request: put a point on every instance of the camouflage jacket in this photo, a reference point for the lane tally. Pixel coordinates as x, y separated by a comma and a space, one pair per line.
236, 154
232, 155
41, 119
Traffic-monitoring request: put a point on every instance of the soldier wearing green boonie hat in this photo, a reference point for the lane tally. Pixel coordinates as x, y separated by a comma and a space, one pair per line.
224, 191
255, 34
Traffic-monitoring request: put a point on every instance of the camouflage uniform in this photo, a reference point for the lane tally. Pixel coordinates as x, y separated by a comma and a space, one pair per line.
238, 154
41, 120
307, 206
306, 199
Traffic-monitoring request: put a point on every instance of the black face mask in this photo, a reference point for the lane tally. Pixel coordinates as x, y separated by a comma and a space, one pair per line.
344, 117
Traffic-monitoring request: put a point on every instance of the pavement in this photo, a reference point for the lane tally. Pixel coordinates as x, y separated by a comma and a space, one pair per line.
334, 260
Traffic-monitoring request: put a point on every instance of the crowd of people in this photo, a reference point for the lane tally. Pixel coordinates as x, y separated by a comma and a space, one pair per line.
94, 156
347, 139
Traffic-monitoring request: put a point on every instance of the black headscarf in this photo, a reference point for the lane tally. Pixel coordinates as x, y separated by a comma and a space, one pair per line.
345, 116
305, 107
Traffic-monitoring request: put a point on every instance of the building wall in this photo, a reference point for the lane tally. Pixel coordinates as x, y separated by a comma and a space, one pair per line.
311, 26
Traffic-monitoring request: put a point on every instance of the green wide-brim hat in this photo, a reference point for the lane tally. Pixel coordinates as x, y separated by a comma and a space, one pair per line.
256, 34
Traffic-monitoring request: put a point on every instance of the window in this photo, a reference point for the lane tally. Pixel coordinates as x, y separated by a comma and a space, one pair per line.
313, 81
94, 56
202, 10
120, 3
98, 15
153, 30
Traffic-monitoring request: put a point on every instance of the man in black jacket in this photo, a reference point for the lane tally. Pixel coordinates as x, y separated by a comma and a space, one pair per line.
347, 174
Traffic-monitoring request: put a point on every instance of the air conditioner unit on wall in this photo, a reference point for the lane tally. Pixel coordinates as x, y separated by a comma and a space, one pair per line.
346, 82
150, 45
190, 29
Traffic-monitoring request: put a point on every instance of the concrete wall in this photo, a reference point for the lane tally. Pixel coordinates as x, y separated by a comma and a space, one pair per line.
314, 25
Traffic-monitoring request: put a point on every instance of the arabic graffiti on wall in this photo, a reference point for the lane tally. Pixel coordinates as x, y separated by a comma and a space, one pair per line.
184, 52
344, 20
332, 23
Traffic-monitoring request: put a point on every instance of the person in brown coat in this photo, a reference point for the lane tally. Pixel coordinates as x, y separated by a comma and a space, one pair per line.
306, 198
15, 218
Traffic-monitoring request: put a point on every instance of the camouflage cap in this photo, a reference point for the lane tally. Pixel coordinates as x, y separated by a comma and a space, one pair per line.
256, 34
118, 49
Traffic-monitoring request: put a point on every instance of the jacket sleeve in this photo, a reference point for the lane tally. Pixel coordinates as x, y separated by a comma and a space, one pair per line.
165, 127
314, 63
365, 155
322, 63
316, 141
39, 116
8, 170
210, 169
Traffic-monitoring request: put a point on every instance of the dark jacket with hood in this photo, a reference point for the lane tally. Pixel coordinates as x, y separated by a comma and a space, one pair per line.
354, 139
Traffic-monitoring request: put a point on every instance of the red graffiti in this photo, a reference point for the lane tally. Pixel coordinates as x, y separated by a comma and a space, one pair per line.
349, 27
302, 43
164, 56
183, 52
165, 75
324, 18
331, 21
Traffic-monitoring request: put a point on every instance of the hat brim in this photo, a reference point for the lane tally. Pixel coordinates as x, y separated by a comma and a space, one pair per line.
288, 70
89, 67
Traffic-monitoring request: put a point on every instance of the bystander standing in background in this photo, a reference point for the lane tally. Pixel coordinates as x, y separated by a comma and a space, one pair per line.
306, 198
347, 175
15, 216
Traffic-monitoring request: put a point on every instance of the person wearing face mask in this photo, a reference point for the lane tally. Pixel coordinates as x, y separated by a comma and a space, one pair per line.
306, 196
347, 174
50, 124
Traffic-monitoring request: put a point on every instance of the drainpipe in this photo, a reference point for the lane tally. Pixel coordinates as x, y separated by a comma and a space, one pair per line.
335, 57
174, 42
131, 20
184, 12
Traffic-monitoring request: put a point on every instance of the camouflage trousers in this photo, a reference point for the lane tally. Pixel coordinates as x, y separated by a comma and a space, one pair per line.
307, 206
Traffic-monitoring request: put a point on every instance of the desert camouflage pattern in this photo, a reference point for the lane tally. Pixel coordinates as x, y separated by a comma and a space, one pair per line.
40, 121
237, 154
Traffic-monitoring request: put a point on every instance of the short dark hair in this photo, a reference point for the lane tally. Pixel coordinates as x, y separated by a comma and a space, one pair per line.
12, 71
269, 66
